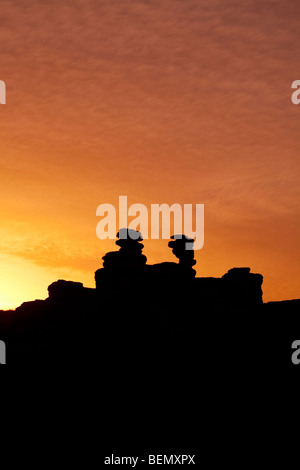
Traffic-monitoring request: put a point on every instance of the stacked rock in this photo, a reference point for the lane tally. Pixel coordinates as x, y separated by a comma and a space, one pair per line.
242, 285
182, 248
130, 256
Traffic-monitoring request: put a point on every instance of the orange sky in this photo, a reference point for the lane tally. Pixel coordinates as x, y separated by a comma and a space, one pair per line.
163, 101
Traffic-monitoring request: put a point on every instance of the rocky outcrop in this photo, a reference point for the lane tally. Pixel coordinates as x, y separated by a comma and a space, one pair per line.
125, 264
159, 312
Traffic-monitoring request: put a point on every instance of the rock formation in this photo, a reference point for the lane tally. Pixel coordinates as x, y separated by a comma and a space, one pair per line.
126, 263
159, 314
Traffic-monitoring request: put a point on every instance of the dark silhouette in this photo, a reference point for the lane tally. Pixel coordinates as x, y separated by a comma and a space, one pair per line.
141, 315
124, 264
179, 249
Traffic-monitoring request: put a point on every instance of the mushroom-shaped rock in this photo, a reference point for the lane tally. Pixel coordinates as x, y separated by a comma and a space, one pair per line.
182, 248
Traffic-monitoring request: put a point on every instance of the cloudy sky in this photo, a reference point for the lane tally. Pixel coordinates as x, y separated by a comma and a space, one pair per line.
163, 101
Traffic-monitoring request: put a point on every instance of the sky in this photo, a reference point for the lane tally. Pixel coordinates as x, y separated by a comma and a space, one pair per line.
163, 101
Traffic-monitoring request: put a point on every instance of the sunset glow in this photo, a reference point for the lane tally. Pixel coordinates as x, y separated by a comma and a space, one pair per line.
172, 101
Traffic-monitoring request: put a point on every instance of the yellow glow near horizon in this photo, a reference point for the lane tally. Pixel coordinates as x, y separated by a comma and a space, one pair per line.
17, 286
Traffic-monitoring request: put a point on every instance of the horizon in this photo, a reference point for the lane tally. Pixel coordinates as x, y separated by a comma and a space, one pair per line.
173, 102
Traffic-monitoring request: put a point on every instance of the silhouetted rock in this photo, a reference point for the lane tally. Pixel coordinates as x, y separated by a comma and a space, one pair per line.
127, 263
63, 289
143, 314
182, 247
243, 286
